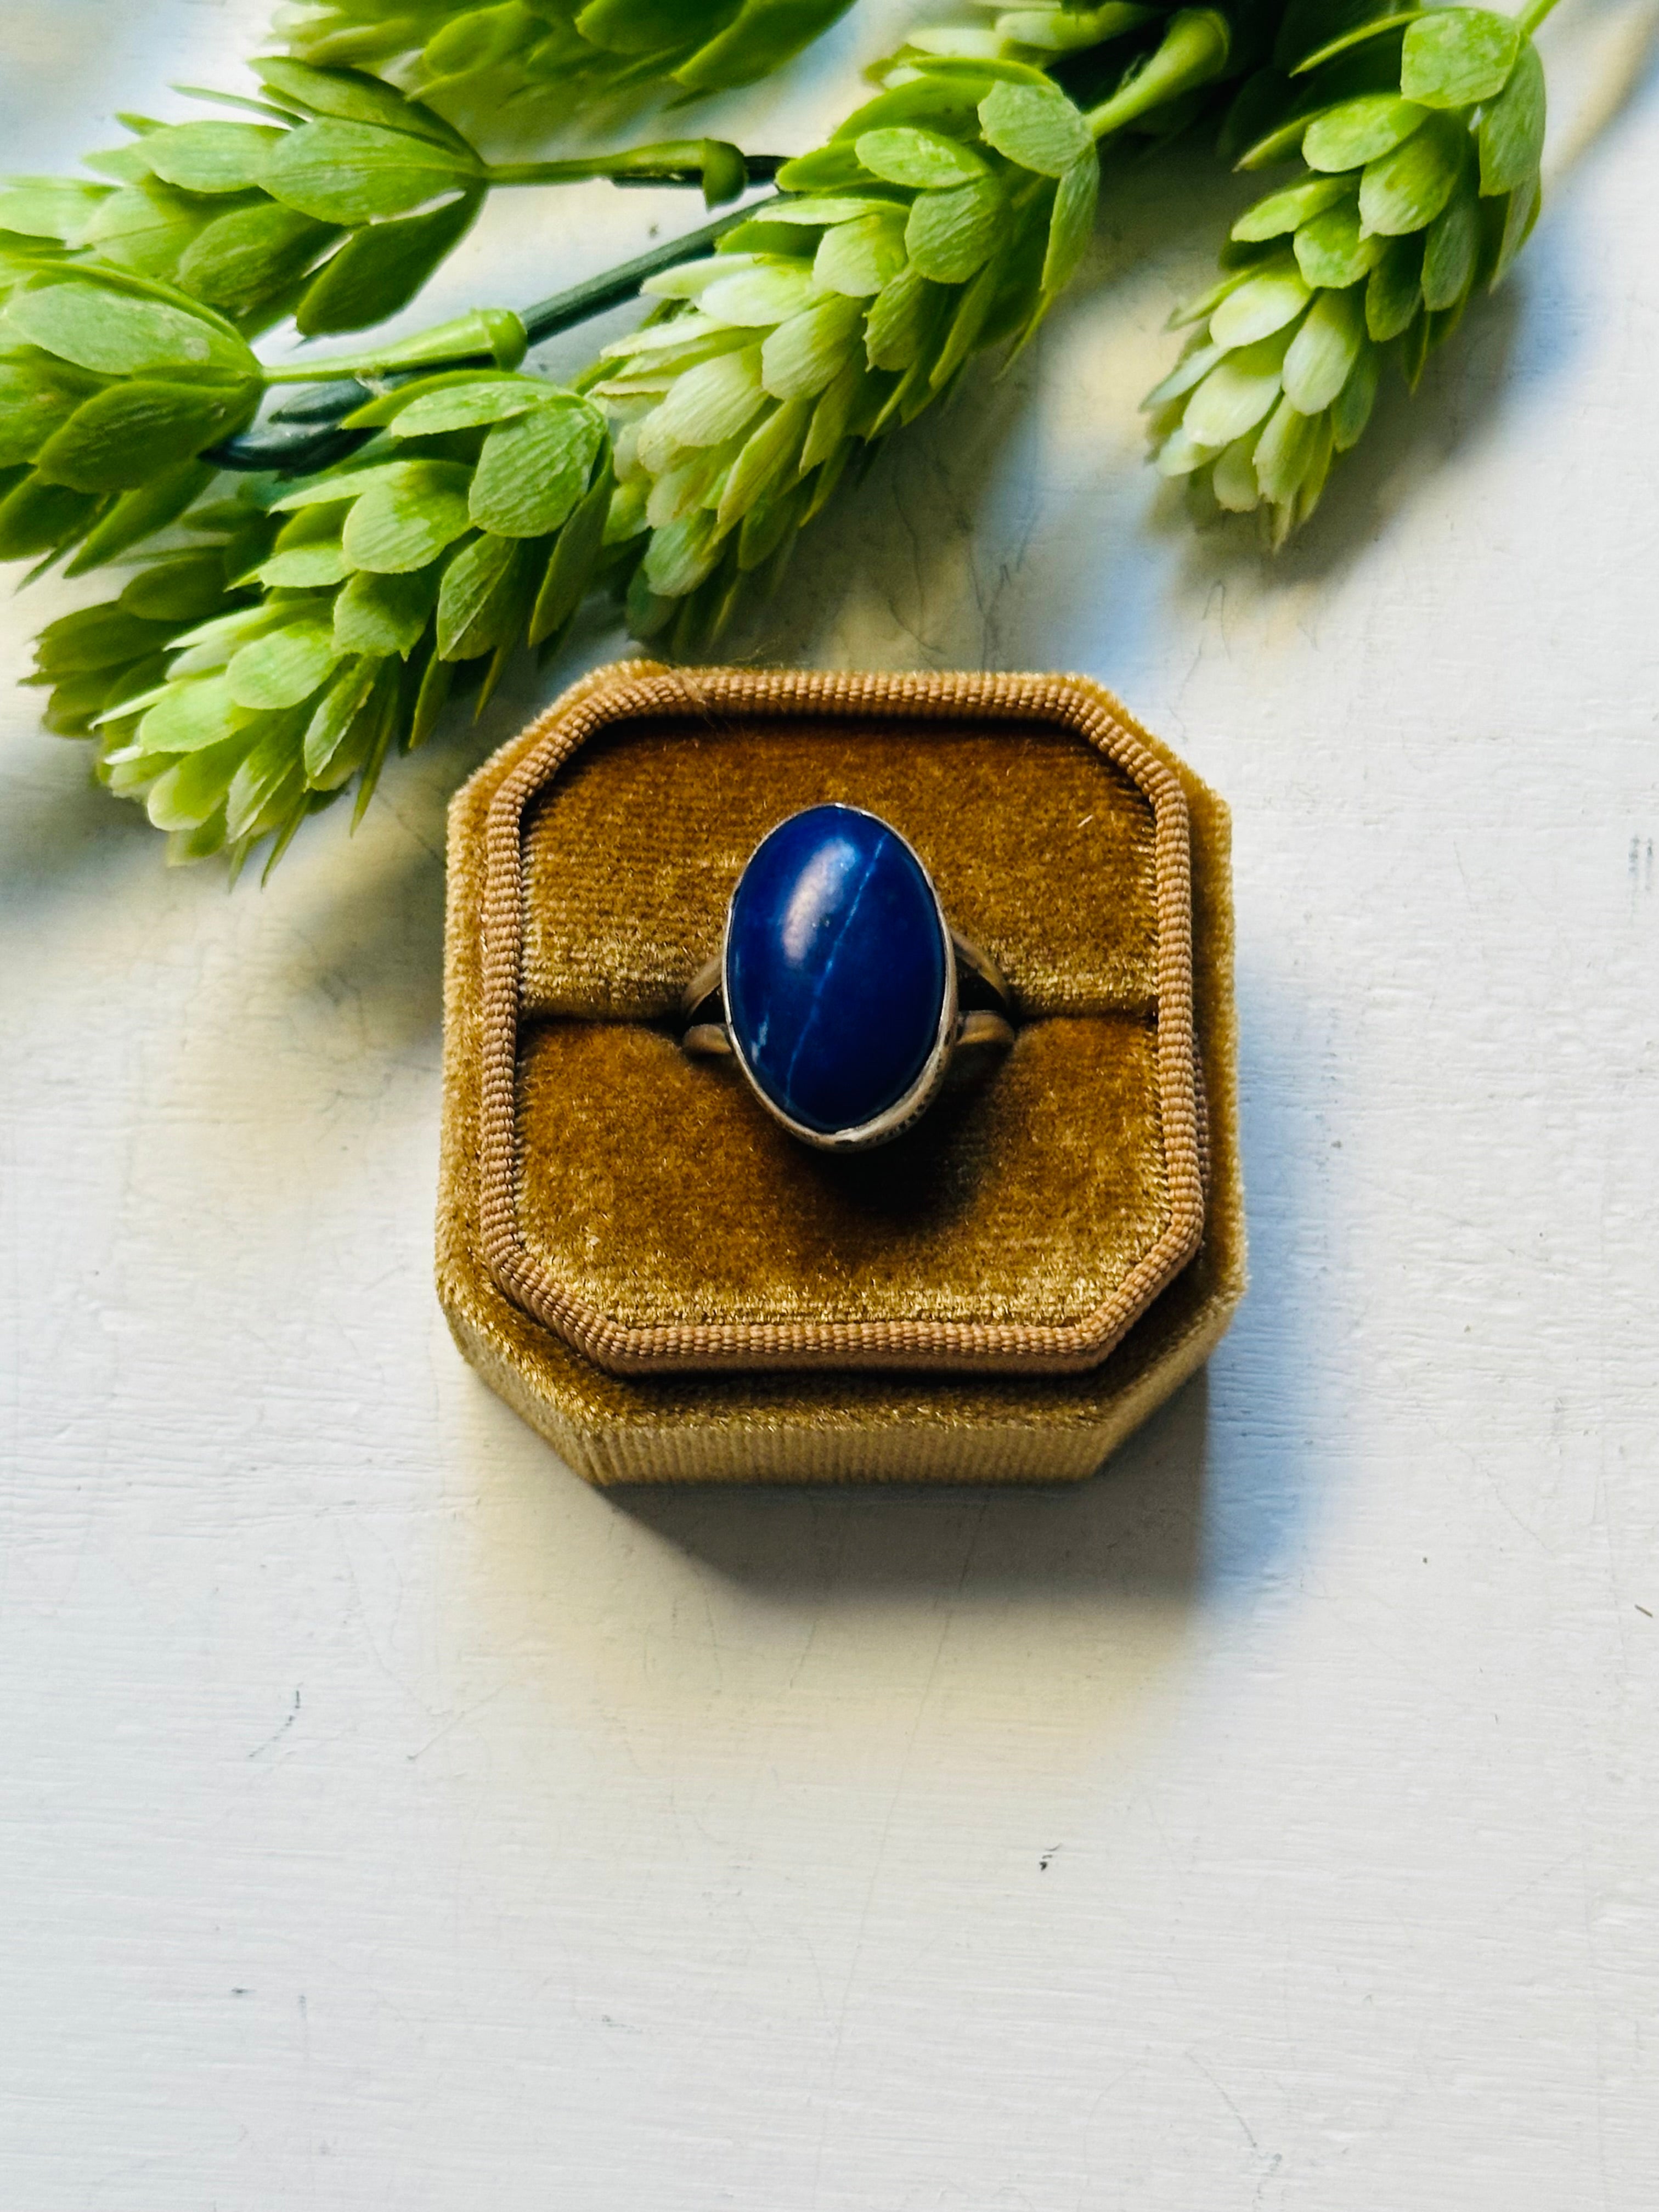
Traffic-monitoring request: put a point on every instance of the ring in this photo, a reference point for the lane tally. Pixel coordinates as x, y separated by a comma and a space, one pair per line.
840, 988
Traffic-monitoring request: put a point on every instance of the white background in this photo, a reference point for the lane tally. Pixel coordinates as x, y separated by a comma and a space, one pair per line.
388, 1820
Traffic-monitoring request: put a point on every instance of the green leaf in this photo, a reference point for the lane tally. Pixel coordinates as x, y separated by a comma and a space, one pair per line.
832, 414
1324, 350
36, 395
250, 255
1451, 249
680, 557
533, 470
1072, 224
210, 157
192, 792
193, 715
859, 257
1389, 25
809, 214
352, 173
710, 402
923, 159
333, 486
429, 701
304, 567
1284, 211
1511, 134
570, 570
480, 591
1274, 297
95, 638
762, 297
1034, 125
1519, 214
327, 752
137, 515
1395, 289
146, 227
965, 331
100, 328
931, 98
185, 586
1235, 395
402, 522
1283, 452
384, 614
465, 404
823, 170
1404, 191
901, 321
1233, 478
802, 355
951, 234
1348, 136
1453, 57
351, 96
121, 438
377, 272
385, 407
281, 668
644, 26
1352, 409
1333, 251
267, 781
767, 454
1188, 372
760, 38
765, 526
1306, 26
1415, 348
51, 207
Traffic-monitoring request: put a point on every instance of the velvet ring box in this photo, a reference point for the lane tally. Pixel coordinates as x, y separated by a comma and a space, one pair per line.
664, 1282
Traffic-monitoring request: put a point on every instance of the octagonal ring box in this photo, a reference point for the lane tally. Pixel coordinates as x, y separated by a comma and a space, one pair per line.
668, 1285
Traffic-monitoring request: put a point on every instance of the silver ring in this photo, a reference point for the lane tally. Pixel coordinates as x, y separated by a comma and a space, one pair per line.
840, 988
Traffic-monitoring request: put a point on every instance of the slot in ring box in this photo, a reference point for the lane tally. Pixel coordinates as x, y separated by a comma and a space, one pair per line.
665, 1285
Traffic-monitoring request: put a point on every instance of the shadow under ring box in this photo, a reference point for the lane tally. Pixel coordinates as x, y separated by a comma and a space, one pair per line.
665, 1283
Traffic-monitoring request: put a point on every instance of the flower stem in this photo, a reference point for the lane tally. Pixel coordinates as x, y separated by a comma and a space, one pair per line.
564, 310
1194, 49
1532, 15
676, 161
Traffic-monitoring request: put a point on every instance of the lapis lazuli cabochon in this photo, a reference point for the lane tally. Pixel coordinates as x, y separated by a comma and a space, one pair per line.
836, 967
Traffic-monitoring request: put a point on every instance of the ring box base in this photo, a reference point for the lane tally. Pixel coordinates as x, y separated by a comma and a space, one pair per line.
598, 980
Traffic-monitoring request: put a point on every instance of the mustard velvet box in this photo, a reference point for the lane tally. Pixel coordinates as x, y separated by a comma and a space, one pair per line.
668, 1285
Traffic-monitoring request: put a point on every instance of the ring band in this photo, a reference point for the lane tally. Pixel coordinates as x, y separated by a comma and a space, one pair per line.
840, 988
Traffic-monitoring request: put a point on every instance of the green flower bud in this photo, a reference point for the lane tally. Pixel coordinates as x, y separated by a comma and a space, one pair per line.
940, 220
341, 610
475, 62
1420, 143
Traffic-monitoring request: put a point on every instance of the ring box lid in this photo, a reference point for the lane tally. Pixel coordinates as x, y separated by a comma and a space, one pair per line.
646, 1209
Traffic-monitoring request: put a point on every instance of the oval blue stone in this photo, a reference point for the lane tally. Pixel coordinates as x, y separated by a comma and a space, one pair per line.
835, 968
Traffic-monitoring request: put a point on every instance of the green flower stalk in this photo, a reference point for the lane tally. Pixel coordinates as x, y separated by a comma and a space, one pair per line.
335, 208
472, 523
942, 219
1419, 141
531, 54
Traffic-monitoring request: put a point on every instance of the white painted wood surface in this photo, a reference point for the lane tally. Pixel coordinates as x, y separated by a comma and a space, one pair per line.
387, 1819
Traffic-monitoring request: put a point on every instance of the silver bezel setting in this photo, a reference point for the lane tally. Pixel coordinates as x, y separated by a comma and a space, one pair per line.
896, 1118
